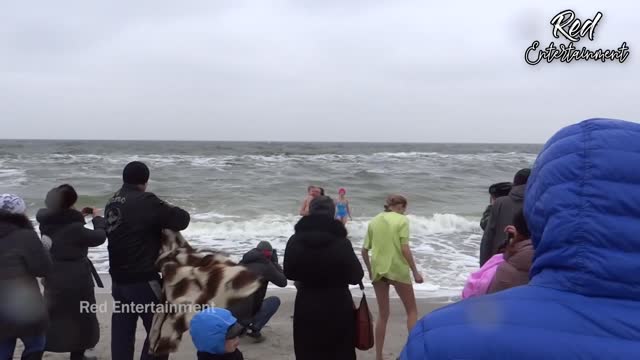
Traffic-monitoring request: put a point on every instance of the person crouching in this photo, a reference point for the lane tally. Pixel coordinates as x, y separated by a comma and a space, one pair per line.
256, 310
216, 335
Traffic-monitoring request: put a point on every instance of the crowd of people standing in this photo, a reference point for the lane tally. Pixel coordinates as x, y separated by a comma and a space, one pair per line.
557, 260
319, 257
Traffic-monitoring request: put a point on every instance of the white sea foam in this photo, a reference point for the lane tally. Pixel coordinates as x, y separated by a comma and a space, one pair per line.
11, 173
229, 227
212, 216
443, 244
224, 191
12, 177
223, 162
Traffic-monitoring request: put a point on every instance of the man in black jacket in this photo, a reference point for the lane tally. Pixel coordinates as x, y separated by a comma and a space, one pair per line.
256, 310
135, 219
496, 191
501, 216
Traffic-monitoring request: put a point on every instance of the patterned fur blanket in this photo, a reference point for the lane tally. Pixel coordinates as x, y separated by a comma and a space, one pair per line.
193, 277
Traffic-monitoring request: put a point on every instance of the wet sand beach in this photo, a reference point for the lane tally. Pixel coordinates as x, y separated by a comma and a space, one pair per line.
279, 332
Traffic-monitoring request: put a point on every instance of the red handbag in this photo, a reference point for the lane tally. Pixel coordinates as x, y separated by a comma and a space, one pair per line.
364, 324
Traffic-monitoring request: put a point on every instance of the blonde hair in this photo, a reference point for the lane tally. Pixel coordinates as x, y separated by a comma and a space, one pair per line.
393, 200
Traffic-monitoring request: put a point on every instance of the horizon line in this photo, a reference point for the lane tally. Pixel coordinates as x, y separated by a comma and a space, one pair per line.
277, 141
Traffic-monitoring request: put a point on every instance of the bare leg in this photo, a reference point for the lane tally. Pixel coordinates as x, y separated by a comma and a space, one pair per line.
382, 295
405, 291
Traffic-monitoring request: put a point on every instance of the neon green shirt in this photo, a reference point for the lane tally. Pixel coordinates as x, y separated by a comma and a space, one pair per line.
386, 234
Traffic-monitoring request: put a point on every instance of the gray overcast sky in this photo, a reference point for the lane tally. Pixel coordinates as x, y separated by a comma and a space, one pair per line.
305, 70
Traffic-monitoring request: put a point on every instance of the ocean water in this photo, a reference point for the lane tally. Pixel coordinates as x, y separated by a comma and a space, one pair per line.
241, 193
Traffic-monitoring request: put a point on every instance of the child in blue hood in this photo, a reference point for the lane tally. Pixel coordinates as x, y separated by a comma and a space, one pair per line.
216, 335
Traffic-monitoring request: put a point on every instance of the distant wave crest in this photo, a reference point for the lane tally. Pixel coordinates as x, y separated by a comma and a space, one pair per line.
225, 161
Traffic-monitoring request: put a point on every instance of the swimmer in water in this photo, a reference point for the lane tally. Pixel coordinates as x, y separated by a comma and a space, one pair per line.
312, 192
342, 207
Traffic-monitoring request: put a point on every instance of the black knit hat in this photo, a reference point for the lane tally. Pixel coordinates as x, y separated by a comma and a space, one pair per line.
135, 173
322, 205
522, 176
500, 189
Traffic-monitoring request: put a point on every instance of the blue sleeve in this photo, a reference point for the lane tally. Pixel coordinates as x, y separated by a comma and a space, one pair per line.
416, 347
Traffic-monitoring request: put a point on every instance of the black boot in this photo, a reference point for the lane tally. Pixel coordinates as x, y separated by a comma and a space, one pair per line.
33, 356
79, 355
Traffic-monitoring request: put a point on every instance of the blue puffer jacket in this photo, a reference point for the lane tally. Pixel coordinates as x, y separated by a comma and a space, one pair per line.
582, 204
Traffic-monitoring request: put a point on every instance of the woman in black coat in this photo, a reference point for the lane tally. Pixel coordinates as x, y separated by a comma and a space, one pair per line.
321, 258
70, 283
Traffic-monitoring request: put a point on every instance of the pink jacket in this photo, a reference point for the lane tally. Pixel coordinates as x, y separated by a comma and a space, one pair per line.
479, 281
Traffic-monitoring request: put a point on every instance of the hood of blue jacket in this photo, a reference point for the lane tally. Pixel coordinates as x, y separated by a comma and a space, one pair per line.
582, 206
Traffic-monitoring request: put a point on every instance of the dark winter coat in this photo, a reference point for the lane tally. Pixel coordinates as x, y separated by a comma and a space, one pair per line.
501, 216
320, 256
514, 271
22, 260
269, 271
485, 217
135, 220
70, 282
